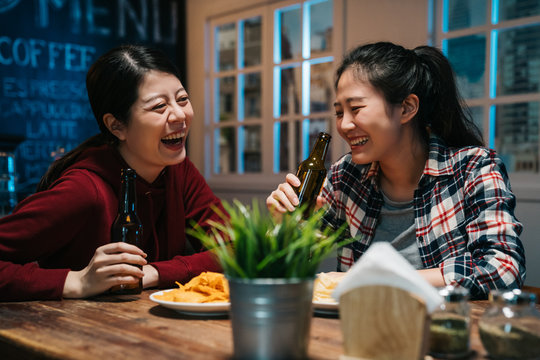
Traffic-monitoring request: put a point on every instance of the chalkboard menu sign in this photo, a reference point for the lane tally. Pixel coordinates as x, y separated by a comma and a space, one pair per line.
46, 48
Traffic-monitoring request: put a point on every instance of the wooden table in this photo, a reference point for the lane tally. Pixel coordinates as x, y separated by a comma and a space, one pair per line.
105, 328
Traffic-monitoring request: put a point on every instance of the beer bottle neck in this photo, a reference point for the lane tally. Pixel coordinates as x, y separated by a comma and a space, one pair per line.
128, 198
320, 149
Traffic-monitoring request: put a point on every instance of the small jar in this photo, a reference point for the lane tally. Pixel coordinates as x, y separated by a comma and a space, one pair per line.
450, 325
510, 327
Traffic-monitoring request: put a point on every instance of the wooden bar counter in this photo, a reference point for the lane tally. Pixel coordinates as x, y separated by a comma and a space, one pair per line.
105, 328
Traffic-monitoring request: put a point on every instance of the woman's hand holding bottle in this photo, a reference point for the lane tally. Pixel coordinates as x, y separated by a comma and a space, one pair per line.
112, 264
284, 198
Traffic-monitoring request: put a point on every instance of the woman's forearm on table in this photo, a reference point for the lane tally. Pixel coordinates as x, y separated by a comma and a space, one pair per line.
433, 276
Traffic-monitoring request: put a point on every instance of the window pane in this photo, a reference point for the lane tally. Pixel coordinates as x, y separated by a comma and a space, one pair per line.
477, 113
321, 91
321, 27
512, 9
465, 13
315, 127
252, 42
291, 33
517, 136
288, 145
226, 47
298, 155
518, 61
225, 152
467, 56
282, 151
252, 148
252, 95
226, 94
291, 81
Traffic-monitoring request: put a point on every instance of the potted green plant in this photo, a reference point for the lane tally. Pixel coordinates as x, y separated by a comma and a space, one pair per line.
270, 265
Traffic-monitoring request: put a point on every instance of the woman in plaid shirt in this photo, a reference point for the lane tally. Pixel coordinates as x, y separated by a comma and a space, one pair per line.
418, 175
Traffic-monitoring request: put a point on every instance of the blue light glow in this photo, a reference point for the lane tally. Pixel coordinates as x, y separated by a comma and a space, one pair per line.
492, 124
495, 12
277, 37
305, 138
493, 64
306, 75
11, 173
10, 165
277, 91
445, 16
241, 148
444, 47
277, 141
306, 31
321, 60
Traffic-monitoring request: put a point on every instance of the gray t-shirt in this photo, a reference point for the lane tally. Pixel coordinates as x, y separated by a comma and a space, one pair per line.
396, 226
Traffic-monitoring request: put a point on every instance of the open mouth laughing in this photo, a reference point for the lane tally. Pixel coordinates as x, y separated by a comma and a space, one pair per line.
174, 140
359, 141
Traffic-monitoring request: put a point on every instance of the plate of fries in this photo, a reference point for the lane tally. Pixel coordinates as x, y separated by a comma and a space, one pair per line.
205, 294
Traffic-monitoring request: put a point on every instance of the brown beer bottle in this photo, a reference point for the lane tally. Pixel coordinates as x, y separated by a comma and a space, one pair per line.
127, 226
312, 172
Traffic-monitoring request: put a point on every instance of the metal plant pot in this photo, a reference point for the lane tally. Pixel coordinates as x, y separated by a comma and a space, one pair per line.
271, 318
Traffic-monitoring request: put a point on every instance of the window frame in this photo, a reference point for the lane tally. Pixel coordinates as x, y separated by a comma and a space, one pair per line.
267, 178
526, 186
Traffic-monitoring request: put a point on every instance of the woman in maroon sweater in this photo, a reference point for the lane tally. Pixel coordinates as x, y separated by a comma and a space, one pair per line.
56, 243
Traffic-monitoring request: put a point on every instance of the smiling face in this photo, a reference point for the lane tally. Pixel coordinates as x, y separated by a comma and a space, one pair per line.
158, 125
372, 127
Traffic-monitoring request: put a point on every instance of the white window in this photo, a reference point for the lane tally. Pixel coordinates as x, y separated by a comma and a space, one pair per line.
494, 47
270, 84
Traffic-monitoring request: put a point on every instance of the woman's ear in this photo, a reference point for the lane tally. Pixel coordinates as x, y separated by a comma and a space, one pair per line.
115, 127
409, 108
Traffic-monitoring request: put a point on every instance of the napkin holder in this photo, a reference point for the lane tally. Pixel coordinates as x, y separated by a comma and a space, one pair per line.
383, 322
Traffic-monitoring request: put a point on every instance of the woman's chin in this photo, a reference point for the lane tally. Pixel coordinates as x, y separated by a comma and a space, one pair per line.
360, 159
174, 157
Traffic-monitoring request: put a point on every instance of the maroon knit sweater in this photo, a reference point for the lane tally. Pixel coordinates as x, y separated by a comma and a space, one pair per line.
59, 229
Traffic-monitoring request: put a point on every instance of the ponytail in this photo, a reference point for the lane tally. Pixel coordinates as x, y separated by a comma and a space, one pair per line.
444, 109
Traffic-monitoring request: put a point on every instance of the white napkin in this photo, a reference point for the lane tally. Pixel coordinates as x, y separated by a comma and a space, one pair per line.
381, 264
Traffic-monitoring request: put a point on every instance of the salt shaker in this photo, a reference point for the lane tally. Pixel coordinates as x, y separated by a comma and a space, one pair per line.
450, 325
510, 327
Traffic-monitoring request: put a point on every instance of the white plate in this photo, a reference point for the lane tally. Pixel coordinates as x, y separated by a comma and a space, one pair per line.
209, 309
325, 308
324, 305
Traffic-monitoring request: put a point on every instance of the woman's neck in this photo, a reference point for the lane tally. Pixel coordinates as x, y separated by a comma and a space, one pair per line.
399, 176
148, 173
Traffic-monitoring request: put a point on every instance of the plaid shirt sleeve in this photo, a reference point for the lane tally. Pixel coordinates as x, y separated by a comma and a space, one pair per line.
493, 256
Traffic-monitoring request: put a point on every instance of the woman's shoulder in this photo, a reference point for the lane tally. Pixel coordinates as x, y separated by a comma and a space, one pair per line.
445, 158
77, 192
84, 184
473, 157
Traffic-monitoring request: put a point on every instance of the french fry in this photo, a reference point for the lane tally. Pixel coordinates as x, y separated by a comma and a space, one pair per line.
208, 287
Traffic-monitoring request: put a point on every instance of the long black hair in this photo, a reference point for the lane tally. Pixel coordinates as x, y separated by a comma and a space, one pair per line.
113, 84
424, 71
